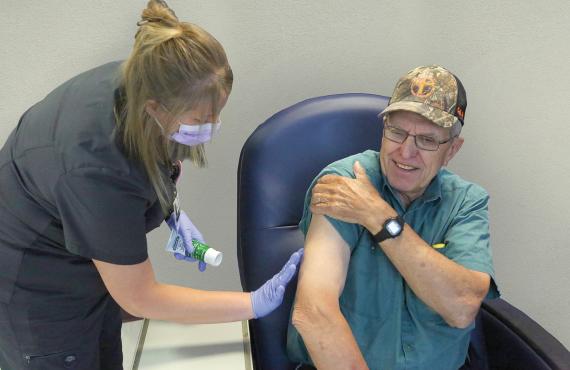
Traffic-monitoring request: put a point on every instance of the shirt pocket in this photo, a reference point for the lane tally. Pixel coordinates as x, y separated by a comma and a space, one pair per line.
373, 286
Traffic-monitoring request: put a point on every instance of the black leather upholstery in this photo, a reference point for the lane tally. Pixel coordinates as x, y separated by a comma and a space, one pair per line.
276, 166
516, 342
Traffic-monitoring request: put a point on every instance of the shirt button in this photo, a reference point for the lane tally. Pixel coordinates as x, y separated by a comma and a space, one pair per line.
408, 347
69, 361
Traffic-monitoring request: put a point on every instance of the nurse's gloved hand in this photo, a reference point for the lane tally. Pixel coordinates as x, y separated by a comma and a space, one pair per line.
186, 229
267, 298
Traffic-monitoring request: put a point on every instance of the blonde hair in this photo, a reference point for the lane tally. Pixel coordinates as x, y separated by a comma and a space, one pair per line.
180, 66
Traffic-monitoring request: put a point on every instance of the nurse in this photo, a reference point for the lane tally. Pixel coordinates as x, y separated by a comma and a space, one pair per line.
84, 176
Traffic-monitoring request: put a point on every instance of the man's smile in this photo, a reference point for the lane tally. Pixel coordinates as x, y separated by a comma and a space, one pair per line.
403, 166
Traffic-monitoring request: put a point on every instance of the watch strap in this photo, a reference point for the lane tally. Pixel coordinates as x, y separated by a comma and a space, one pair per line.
383, 234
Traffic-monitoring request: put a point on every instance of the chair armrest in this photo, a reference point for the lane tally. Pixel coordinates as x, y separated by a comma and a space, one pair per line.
515, 341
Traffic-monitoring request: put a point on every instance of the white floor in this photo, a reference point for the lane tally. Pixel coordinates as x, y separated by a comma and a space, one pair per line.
130, 336
169, 346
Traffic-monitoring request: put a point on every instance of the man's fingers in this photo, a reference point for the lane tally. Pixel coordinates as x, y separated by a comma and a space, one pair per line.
321, 192
329, 179
322, 208
360, 172
316, 210
317, 200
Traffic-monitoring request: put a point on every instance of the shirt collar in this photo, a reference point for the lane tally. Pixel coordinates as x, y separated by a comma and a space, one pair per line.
431, 194
433, 191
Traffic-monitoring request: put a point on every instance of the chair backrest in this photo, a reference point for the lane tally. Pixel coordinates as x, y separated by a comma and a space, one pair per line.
277, 164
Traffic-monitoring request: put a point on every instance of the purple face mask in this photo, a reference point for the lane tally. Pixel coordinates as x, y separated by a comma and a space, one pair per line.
191, 135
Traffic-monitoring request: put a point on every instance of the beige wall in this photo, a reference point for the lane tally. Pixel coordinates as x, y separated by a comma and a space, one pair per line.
512, 57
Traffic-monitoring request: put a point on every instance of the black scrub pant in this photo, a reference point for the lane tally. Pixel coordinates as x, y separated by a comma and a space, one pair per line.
96, 346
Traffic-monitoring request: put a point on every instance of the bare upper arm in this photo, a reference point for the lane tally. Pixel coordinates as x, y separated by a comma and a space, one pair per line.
127, 284
325, 262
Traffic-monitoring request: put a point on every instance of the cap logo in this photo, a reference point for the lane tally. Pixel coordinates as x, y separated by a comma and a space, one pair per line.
422, 87
460, 112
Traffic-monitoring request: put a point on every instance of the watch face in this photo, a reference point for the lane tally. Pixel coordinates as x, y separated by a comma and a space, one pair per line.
393, 227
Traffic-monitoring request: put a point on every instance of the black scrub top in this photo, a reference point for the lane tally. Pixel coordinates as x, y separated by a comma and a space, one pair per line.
69, 194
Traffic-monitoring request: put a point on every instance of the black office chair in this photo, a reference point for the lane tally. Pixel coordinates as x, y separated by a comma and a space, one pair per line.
276, 166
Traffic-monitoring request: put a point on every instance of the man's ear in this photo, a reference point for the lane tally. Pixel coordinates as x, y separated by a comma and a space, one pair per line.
456, 144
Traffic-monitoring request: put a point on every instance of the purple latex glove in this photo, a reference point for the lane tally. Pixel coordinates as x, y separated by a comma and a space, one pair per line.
267, 298
186, 229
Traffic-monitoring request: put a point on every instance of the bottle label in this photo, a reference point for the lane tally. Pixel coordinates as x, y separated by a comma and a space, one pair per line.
199, 250
176, 245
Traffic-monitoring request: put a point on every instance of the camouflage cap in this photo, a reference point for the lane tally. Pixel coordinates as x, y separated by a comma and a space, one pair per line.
433, 92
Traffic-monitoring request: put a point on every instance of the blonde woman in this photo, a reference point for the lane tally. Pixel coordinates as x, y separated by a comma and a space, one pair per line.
85, 175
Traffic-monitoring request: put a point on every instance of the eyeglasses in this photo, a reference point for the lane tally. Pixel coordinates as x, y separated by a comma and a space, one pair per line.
423, 142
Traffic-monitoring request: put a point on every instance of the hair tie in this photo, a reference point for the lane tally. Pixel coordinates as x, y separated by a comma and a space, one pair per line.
148, 20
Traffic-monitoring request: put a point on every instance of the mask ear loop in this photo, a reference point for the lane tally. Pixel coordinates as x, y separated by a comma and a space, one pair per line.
158, 122
159, 125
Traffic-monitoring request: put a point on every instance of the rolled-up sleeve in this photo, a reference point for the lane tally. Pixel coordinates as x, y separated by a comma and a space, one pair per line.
468, 239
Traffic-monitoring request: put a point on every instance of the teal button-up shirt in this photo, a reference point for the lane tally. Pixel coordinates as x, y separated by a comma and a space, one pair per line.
394, 329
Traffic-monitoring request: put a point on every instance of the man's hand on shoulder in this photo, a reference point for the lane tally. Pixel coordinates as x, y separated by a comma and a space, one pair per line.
351, 200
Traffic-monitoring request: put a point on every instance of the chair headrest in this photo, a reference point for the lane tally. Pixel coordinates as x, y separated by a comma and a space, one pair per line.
285, 153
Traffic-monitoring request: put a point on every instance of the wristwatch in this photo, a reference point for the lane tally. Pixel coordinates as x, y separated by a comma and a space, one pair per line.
392, 228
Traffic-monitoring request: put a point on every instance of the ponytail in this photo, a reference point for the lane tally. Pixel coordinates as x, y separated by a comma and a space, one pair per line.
179, 65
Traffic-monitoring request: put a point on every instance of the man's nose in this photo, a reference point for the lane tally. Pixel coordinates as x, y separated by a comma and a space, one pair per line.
408, 148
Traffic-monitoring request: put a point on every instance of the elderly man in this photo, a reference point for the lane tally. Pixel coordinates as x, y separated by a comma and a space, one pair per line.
397, 258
